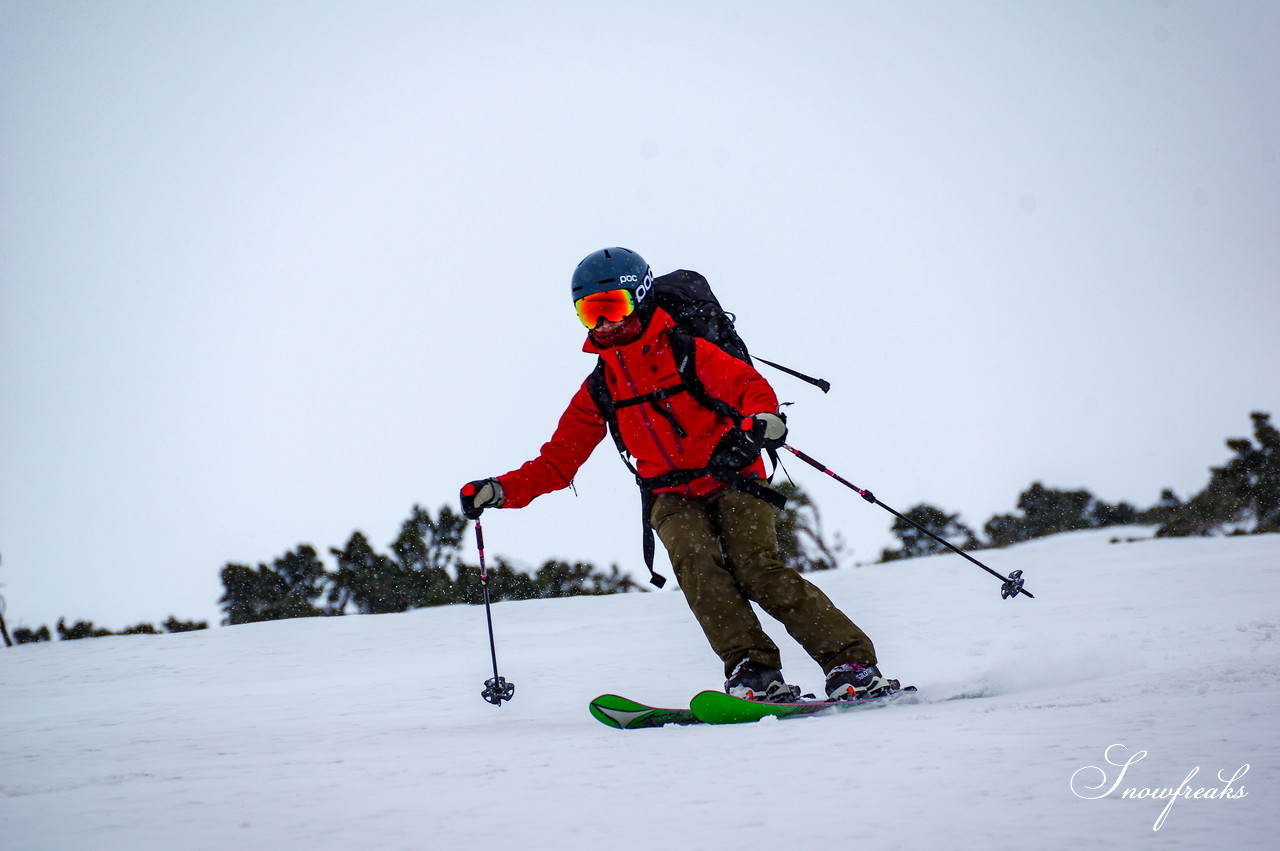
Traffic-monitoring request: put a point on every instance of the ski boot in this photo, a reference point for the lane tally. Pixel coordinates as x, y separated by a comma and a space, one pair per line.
858, 682
754, 681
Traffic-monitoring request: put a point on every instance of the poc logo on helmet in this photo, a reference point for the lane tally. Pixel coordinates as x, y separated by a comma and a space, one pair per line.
643, 290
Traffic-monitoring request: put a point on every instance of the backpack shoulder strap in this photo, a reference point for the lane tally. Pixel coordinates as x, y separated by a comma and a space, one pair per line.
684, 347
599, 390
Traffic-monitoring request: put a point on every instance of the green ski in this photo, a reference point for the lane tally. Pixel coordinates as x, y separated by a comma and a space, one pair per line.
716, 707
625, 714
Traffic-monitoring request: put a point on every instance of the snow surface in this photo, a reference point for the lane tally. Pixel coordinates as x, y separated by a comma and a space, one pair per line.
369, 732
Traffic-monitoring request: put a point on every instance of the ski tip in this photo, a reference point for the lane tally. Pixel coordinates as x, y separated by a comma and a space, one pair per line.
614, 710
622, 713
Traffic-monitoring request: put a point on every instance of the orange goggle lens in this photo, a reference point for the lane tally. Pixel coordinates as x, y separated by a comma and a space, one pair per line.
611, 306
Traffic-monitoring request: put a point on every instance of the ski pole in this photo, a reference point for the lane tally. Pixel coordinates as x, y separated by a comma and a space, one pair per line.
1012, 586
4, 630
821, 383
497, 689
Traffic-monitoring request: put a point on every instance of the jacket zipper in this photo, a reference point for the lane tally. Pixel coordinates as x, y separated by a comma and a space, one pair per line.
644, 415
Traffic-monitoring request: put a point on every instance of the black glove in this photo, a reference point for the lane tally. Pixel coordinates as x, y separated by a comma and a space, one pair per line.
742, 445
768, 431
478, 495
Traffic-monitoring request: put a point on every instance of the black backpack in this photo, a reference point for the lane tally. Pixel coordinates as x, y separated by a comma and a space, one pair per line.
688, 298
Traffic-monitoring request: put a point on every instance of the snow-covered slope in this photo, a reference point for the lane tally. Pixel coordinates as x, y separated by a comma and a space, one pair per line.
369, 732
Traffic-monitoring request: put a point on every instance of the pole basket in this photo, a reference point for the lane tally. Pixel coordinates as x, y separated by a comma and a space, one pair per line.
497, 690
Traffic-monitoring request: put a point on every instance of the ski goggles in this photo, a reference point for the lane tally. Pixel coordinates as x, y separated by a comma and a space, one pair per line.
610, 305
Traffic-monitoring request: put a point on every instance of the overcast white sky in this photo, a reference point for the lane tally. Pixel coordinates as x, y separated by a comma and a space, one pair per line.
271, 272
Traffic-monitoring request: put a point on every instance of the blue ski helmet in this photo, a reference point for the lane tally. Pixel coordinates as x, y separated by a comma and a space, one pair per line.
614, 269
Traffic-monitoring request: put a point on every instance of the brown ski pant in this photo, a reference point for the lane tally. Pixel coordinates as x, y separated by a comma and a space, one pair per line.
724, 550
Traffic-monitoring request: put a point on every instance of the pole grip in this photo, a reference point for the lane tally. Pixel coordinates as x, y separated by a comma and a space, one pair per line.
484, 573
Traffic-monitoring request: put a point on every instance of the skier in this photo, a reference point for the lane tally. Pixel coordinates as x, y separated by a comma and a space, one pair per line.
705, 477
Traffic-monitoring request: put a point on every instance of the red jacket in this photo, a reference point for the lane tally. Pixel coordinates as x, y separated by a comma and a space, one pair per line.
633, 370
